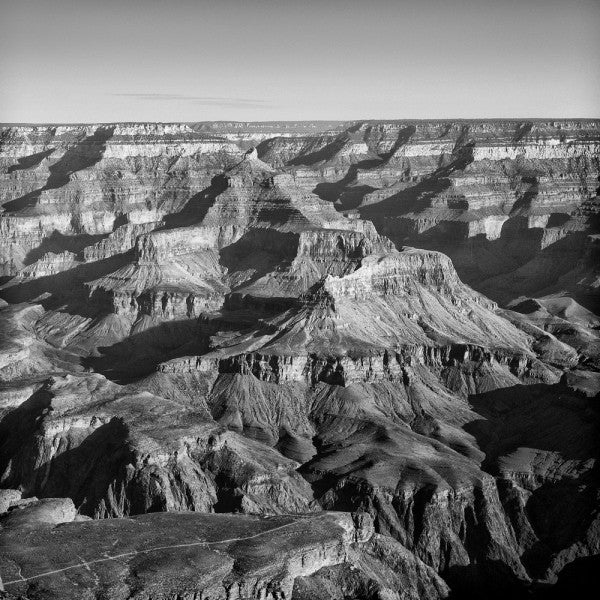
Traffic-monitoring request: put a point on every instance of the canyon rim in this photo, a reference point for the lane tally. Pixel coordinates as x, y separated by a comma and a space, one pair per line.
253, 346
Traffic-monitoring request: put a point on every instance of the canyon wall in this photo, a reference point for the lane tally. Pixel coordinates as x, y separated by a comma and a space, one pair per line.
393, 321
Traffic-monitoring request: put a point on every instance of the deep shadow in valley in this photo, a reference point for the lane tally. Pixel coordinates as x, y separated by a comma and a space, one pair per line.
65, 290
28, 162
540, 416
196, 207
57, 243
415, 198
521, 428
259, 251
85, 472
139, 354
479, 260
578, 580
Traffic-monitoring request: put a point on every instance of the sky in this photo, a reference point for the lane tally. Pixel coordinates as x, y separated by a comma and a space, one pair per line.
74, 61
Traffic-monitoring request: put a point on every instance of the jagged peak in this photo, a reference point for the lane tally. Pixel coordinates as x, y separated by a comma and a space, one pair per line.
249, 170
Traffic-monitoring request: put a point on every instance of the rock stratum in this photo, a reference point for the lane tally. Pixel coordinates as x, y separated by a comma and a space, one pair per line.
299, 360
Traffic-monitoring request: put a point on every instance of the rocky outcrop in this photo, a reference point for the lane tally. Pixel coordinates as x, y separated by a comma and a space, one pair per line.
218, 556
33, 513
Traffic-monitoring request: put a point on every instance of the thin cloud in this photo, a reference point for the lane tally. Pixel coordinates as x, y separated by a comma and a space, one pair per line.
200, 100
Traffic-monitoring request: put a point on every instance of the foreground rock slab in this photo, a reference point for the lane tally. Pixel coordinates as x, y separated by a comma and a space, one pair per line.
201, 556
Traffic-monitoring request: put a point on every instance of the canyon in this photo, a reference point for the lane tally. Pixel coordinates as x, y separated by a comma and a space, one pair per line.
299, 360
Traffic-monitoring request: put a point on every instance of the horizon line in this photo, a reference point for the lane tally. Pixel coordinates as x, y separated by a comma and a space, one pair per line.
273, 121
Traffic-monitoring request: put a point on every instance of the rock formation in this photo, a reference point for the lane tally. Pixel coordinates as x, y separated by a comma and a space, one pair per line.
373, 344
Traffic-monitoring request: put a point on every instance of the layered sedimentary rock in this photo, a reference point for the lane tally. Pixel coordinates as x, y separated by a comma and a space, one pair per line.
504, 199
191, 324
81, 183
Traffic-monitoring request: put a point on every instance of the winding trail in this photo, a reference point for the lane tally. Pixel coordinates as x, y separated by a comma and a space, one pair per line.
86, 564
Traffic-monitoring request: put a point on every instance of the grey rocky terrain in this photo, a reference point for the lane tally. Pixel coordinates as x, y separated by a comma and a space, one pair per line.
299, 360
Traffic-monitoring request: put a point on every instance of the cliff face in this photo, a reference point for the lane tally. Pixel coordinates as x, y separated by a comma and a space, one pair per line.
191, 324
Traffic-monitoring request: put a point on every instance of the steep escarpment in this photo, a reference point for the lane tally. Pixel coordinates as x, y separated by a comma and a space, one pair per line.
190, 324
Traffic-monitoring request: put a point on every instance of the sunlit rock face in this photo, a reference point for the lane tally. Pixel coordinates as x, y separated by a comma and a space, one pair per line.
243, 326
